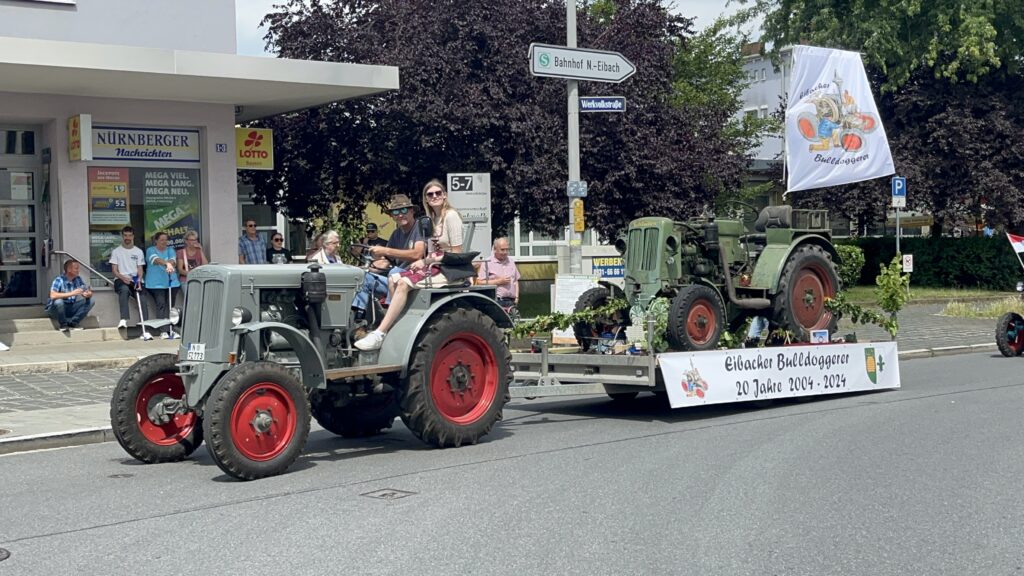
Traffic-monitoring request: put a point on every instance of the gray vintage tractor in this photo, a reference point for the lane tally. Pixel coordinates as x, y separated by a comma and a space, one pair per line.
717, 273
265, 347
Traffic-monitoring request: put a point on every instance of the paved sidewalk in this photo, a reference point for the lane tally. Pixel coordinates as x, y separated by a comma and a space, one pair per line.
60, 395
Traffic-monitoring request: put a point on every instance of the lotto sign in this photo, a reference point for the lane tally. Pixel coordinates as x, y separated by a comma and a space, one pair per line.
715, 377
254, 149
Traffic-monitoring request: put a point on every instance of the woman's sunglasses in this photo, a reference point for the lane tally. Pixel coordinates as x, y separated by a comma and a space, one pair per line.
436, 194
278, 239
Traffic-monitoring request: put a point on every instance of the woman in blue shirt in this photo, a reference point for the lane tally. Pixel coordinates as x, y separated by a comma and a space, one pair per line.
162, 277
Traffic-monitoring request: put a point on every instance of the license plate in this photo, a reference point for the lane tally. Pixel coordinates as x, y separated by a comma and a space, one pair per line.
196, 351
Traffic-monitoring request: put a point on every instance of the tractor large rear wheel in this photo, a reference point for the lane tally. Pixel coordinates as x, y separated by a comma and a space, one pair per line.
1010, 334
587, 333
141, 389
360, 418
458, 379
257, 420
696, 319
808, 278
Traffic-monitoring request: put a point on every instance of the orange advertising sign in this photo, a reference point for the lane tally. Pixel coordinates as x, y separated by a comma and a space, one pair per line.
80, 137
254, 148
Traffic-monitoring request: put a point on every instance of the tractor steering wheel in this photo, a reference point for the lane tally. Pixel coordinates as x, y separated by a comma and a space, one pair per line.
364, 253
748, 210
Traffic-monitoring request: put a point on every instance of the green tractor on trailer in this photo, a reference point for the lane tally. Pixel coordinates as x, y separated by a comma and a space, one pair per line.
265, 347
717, 273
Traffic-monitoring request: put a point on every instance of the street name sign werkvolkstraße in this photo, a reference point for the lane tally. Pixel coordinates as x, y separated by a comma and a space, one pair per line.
579, 63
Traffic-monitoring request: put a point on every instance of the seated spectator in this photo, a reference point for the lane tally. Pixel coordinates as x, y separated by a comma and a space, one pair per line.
318, 243
190, 256
70, 298
329, 253
277, 253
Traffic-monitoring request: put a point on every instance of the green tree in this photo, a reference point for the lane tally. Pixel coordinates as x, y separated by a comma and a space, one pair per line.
468, 103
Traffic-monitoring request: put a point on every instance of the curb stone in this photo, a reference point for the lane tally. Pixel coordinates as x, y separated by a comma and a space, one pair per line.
105, 434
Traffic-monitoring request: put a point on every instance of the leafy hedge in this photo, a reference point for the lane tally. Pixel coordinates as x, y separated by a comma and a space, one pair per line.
851, 263
945, 262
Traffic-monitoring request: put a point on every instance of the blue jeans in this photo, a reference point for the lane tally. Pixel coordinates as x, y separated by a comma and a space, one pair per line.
67, 313
374, 286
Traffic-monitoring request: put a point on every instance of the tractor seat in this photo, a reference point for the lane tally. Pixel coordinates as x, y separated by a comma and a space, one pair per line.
774, 217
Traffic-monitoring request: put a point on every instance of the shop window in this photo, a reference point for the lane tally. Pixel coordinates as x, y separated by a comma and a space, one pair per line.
150, 200
18, 142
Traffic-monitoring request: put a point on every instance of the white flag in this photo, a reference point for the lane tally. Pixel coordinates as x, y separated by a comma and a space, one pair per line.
833, 132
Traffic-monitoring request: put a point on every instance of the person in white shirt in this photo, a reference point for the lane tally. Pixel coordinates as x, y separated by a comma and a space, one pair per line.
126, 261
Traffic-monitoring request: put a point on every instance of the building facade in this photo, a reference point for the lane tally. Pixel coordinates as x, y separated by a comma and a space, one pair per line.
120, 112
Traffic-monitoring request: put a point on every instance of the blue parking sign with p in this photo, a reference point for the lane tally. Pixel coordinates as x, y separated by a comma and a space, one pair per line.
899, 186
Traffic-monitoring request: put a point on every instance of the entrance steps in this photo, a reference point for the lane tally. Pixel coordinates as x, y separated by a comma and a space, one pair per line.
29, 326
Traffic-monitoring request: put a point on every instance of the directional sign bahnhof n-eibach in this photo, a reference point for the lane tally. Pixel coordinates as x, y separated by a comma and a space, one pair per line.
579, 63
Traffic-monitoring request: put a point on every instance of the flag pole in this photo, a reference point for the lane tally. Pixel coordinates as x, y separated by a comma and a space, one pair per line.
785, 141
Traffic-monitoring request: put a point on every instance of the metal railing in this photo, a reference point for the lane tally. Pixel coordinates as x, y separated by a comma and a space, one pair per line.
83, 263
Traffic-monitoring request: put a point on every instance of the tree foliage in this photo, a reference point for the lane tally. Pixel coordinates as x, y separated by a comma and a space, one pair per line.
468, 103
952, 39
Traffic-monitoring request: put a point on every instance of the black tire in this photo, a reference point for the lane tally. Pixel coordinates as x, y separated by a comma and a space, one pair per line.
361, 418
695, 319
458, 379
1010, 334
144, 383
622, 397
587, 333
808, 277
244, 436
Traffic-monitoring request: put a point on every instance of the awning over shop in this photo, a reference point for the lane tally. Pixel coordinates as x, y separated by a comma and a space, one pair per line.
259, 86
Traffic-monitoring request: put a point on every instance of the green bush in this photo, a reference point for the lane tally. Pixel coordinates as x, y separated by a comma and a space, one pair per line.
975, 262
852, 258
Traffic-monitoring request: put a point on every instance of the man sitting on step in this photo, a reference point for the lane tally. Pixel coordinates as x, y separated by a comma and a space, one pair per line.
70, 298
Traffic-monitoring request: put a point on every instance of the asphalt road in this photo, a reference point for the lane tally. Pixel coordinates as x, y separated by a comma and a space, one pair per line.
923, 480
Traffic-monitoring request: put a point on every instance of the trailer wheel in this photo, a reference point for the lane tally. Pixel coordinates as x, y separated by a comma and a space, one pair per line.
1010, 334
586, 333
458, 379
257, 420
696, 319
145, 384
361, 418
808, 278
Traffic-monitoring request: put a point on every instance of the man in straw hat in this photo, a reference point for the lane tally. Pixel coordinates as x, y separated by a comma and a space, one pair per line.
405, 246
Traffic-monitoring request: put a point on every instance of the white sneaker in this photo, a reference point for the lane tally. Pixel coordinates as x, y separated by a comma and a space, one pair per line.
122, 323
371, 341
146, 336
167, 336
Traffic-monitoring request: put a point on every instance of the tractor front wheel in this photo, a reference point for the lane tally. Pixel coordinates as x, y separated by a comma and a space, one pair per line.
696, 319
137, 395
358, 419
808, 278
257, 420
1010, 334
458, 379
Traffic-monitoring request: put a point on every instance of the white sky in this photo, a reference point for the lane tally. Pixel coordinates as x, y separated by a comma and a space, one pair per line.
248, 14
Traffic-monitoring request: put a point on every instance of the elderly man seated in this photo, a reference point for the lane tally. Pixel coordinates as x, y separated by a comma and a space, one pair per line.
70, 298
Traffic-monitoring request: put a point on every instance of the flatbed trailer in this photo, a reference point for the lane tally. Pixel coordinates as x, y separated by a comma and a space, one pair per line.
710, 377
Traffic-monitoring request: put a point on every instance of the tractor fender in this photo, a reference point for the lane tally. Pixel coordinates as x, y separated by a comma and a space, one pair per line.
614, 290
201, 376
399, 343
768, 270
310, 361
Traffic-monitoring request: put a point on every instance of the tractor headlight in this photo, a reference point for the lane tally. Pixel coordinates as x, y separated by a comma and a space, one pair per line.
240, 315
620, 246
175, 316
1020, 286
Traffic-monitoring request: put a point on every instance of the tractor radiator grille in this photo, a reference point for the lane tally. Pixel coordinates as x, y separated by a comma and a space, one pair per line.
644, 242
206, 301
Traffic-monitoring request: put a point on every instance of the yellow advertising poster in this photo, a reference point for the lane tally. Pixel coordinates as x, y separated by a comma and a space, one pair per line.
108, 198
254, 148
80, 138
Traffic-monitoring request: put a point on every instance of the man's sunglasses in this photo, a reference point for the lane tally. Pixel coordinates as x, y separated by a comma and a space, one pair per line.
399, 211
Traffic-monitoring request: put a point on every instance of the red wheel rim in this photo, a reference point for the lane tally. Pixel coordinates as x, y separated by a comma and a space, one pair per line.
263, 421
464, 378
810, 289
166, 385
700, 322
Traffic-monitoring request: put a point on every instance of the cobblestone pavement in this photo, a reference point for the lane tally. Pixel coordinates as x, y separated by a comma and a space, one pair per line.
920, 327
22, 392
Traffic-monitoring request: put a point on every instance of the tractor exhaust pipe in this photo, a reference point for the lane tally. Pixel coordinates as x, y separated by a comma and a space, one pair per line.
745, 303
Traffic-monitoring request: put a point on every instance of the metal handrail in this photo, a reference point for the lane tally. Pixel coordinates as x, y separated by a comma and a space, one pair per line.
83, 263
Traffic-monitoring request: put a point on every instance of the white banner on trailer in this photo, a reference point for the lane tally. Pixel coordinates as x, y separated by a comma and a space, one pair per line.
714, 377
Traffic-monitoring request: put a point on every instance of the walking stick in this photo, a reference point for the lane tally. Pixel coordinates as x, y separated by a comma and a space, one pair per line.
170, 303
142, 319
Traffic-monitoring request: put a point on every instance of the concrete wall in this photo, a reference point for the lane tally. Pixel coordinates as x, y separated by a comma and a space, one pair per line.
201, 25
69, 180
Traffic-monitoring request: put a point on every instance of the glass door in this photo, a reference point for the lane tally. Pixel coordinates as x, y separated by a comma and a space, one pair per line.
21, 272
